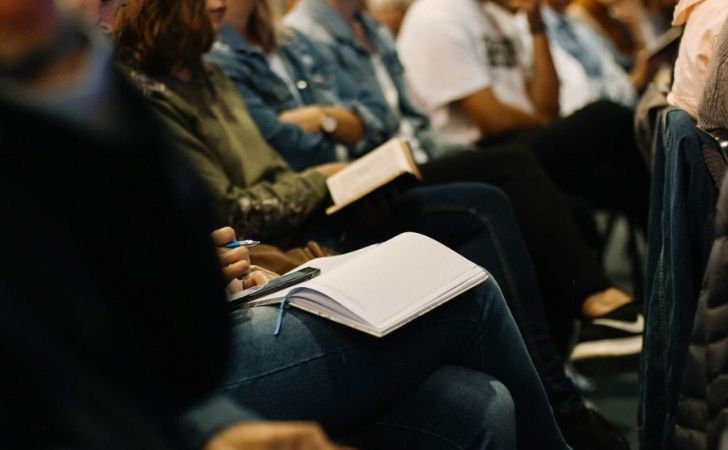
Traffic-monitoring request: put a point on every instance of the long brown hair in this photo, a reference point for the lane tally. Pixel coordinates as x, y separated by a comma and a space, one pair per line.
156, 35
264, 24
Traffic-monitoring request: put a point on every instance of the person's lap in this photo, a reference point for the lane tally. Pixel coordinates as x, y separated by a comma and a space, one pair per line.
318, 370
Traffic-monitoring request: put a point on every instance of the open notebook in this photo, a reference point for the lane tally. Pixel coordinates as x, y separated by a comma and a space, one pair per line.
380, 288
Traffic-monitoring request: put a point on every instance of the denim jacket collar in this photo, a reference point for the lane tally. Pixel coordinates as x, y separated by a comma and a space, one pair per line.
232, 39
329, 19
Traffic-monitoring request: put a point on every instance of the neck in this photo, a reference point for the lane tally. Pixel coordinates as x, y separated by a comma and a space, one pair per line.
238, 19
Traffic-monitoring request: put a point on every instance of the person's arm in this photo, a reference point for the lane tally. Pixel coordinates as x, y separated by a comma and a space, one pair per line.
266, 209
494, 117
349, 129
467, 83
543, 87
378, 121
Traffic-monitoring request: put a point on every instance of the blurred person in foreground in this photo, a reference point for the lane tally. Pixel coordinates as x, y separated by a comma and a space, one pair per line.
121, 343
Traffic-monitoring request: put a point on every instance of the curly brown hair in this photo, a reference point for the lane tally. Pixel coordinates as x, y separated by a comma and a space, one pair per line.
154, 36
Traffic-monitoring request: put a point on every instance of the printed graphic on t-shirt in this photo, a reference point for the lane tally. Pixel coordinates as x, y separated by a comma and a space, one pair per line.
501, 51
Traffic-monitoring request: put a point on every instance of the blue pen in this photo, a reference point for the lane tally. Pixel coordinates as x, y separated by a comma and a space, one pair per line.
243, 243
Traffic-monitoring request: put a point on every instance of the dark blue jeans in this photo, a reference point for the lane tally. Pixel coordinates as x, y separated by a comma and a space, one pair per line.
421, 387
477, 221
682, 200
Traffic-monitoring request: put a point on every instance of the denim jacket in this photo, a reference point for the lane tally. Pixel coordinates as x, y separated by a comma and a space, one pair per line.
323, 24
317, 80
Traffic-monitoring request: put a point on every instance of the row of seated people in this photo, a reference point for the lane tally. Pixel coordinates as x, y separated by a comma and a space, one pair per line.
261, 197
128, 328
563, 262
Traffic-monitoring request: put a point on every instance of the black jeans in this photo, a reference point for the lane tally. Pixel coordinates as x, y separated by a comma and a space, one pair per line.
590, 154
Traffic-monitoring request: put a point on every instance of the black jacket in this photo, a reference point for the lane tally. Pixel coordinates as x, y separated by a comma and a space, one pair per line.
112, 314
702, 415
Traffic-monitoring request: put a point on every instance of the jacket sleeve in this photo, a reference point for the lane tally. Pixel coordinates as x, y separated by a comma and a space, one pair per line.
202, 421
264, 210
298, 147
379, 121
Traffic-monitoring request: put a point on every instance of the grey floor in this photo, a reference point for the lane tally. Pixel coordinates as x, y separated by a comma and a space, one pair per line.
615, 392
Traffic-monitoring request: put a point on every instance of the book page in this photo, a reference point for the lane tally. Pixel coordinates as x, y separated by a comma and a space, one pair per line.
391, 280
373, 170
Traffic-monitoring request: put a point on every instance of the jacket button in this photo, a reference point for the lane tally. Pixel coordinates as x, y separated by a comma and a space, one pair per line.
301, 84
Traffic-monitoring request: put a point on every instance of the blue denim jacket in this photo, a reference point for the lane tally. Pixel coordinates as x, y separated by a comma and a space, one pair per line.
317, 80
323, 24
680, 234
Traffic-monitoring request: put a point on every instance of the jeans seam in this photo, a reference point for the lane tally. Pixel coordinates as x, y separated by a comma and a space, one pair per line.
287, 367
324, 355
422, 431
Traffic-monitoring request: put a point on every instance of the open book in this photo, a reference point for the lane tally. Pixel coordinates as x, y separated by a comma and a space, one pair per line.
370, 172
381, 287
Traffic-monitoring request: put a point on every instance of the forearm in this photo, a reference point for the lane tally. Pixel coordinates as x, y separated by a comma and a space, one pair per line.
543, 89
269, 209
349, 128
494, 117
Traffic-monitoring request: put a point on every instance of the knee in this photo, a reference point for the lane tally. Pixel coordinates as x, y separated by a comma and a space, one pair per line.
485, 199
481, 406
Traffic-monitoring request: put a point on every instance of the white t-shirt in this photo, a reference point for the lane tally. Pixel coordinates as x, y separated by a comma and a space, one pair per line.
454, 48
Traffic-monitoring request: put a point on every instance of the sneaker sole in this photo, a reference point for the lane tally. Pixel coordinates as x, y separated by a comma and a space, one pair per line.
607, 348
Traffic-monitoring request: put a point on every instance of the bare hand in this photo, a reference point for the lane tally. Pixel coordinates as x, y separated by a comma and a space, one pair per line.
258, 276
272, 436
307, 117
330, 169
235, 262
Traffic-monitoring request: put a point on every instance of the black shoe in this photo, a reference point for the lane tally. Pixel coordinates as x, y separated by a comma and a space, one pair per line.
586, 429
617, 333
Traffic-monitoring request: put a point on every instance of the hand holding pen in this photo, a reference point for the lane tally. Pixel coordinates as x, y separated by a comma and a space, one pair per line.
244, 243
233, 254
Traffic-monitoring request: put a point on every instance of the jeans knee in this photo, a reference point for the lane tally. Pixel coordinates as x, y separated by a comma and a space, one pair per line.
481, 406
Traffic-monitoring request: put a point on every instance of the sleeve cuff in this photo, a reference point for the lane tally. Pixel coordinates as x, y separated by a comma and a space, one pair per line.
201, 421
317, 182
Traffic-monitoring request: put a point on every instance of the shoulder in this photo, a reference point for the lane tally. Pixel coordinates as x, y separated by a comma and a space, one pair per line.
309, 25
148, 86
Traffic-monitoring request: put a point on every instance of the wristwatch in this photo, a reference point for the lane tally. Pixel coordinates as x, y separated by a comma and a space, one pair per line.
328, 124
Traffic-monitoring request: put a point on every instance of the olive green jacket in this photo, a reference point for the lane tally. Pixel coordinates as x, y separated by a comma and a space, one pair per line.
257, 193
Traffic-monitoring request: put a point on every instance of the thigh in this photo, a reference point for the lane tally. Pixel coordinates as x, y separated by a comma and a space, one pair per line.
587, 147
318, 370
454, 408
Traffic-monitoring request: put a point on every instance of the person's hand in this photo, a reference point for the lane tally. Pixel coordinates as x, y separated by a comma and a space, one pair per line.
330, 169
258, 276
235, 262
272, 436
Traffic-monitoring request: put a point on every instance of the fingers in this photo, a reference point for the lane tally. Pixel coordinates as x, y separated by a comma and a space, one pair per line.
235, 262
258, 277
222, 236
229, 256
271, 436
236, 270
